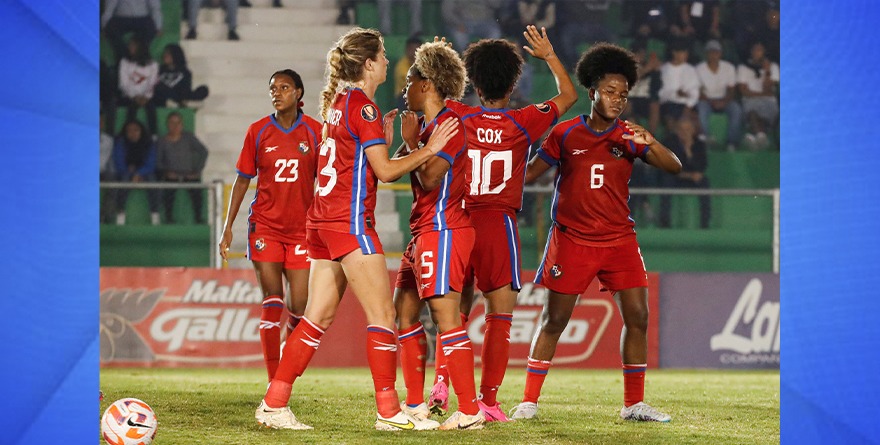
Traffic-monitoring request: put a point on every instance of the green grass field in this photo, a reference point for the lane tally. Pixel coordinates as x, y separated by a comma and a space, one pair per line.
197, 406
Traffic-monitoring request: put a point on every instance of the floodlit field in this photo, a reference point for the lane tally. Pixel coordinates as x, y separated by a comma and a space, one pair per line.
198, 406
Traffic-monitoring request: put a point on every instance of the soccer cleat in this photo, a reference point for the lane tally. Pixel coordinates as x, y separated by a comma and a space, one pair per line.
525, 410
420, 412
439, 398
461, 421
403, 421
644, 413
278, 418
493, 413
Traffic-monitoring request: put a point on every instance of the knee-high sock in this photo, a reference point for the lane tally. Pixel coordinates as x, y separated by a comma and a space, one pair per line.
270, 332
413, 352
382, 357
496, 351
536, 372
440, 370
633, 383
298, 351
292, 321
460, 362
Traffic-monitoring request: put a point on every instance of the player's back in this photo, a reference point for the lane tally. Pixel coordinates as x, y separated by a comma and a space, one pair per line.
499, 145
345, 196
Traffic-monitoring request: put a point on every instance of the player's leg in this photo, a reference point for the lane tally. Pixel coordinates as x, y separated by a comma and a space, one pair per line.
496, 348
298, 296
459, 359
413, 347
269, 275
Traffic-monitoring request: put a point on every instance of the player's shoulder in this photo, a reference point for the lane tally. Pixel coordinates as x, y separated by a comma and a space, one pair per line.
461, 109
568, 125
543, 107
260, 124
361, 105
448, 113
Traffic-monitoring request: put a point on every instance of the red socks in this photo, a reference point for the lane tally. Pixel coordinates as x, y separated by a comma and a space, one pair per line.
382, 357
292, 321
270, 332
413, 354
496, 351
298, 351
440, 359
633, 383
460, 362
536, 372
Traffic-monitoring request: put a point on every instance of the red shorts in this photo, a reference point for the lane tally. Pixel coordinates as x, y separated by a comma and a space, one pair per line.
495, 260
262, 249
440, 257
568, 267
330, 245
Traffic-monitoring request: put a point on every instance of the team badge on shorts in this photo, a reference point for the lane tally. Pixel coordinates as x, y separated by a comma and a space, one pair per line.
303, 147
617, 152
555, 271
369, 113
259, 244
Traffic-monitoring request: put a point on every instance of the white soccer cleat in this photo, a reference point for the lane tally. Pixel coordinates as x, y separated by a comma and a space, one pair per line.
461, 421
403, 422
525, 410
644, 413
278, 418
420, 412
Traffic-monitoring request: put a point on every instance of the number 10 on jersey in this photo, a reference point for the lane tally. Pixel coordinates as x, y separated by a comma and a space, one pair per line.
481, 171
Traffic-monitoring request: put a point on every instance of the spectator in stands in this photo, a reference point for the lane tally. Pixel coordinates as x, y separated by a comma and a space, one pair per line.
402, 67
648, 19
681, 86
415, 16
181, 158
346, 12
175, 79
718, 94
231, 7
644, 106
696, 20
747, 19
581, 22
107, 171
141, 17
466, 20
686, 144
767, 32
138, 74
134, 157
758, 79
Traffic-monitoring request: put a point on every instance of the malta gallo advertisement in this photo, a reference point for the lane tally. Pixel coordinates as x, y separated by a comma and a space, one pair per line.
179, 317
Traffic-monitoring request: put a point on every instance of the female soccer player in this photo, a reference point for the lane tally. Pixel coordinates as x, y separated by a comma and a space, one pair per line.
280, 150
432, 268
341, 237
499, 144
593, 234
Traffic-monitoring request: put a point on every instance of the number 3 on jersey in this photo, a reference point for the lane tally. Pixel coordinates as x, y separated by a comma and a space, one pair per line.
481, 172
328, 148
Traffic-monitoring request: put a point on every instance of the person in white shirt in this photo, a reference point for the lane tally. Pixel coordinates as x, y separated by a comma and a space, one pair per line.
138, 74
681, 86
718, 94
758, 79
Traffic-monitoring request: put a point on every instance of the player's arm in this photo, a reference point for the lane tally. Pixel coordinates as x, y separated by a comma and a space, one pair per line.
431, 173
239, 188
542, 49
658, 154
390, 170
536, 168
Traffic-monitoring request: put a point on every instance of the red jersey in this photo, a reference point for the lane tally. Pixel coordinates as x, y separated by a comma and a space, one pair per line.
345, 197
284, 162
592, 181
499, 146
441, 208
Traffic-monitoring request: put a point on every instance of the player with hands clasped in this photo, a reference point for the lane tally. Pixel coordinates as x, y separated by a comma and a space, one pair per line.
280, 150
592, 234
342, 242
433, 265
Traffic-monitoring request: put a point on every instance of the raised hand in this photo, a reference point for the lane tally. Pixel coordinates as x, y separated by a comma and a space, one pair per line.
639, 134
388, 125
540, 44
409, 129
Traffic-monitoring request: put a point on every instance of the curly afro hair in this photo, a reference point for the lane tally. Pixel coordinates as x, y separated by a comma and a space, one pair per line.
605, 58
440, 64
493, 67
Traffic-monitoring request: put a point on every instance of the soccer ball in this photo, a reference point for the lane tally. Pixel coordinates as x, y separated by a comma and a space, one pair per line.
129, 422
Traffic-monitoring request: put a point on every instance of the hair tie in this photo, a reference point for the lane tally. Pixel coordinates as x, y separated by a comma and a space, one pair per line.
300, 104
339, 48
